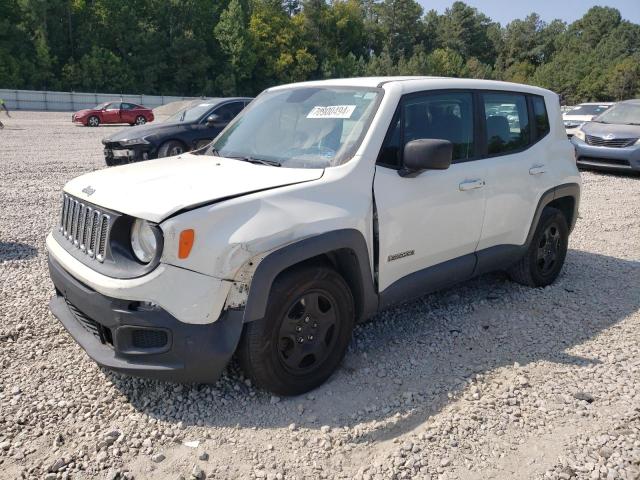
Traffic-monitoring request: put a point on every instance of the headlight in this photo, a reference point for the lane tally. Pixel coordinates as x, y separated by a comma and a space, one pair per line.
134, 141
579, 134
637, 142
143, 241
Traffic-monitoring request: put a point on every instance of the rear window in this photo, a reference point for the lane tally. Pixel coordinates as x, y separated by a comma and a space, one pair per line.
540, 114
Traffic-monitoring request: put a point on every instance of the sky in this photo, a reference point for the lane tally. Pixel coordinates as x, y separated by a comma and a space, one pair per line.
504, 11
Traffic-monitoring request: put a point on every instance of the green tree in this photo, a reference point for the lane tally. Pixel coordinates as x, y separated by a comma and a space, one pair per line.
623, 80
235, 40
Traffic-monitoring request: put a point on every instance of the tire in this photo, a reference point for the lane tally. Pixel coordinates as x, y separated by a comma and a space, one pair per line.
171, 149
543, 261
304, 335
140, 120
93, 121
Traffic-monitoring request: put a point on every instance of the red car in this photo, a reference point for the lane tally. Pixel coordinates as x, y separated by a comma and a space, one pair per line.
114, 112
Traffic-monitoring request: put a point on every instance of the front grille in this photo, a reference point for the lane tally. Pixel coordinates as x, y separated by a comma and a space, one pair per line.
101, 332
85, 226
613, 142
149, 338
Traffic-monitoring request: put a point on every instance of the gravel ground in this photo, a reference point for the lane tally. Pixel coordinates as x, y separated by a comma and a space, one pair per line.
485, 380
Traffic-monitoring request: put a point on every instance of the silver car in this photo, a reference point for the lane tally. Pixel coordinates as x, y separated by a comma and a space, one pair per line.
611, 141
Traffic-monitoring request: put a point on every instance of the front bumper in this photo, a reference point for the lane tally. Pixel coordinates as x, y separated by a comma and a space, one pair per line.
132, 338
115, 154
607, 158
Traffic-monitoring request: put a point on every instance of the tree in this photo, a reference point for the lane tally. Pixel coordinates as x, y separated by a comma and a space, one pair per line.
401, 26
465, 30
623, 80
234, 38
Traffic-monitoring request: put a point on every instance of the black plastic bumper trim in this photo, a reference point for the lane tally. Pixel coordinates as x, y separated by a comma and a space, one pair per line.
196, 354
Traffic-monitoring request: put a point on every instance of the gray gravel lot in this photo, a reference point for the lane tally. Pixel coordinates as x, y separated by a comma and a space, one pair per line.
485, 380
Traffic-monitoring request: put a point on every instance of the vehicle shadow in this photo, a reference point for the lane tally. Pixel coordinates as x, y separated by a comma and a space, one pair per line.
411, 359
16, 251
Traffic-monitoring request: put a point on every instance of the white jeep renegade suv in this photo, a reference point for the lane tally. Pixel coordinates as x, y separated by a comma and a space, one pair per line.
319, 205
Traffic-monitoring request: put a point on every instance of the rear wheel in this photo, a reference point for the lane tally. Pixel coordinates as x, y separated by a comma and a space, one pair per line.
140, 120
545, 256
171, 149
93, 121
305, 332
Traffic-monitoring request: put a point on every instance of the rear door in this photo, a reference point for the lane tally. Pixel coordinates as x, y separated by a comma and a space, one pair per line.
128, 112
435, 218
517, 165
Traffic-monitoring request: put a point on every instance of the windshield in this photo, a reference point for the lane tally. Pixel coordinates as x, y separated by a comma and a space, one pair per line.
309, 127
100, 106
587, 110
622, 113
192, 113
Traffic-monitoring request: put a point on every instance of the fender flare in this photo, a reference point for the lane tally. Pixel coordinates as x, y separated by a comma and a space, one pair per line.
555, 193
350, 240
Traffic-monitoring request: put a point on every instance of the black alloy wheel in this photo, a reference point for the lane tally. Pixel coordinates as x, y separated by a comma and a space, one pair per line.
304, 334
307, 332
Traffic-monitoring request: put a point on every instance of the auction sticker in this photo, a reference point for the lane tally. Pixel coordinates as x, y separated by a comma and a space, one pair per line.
332, 111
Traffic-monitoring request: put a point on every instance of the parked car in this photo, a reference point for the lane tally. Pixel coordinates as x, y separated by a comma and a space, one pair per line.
579, 115
320, 204
188, 129
113, 112
611, 141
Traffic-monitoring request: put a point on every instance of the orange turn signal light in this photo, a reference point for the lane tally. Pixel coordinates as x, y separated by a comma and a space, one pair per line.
187, 238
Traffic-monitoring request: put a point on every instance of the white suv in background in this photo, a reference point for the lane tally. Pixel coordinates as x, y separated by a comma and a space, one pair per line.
581, 114
319, 205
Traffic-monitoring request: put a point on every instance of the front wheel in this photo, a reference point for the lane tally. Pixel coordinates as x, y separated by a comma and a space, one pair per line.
304, 335
93, 121
171, 149
545, 256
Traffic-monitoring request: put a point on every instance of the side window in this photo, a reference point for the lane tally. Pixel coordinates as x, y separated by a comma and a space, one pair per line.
229, 111
540, 114
113, 106
446, 116
507, 122
129, 106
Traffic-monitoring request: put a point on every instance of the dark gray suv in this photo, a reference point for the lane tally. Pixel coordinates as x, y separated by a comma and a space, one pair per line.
611, 141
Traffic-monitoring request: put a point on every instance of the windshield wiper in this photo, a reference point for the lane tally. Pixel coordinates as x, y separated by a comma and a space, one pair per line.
260, 161
633, 123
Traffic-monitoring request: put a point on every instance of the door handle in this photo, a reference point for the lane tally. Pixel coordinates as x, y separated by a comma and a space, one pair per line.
471, 185
537, 170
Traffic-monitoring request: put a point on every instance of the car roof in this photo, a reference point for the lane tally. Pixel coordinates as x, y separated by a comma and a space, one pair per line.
633, 101
214, 100
594, 103
413, 83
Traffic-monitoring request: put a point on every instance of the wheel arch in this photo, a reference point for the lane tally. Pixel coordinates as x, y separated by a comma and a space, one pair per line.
346, 250
565, 198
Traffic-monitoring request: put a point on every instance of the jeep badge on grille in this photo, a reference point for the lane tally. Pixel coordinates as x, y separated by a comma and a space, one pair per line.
88, 190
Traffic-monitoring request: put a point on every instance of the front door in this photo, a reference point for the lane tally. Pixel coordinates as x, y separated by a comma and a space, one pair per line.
111, 113
226, 112
430, 223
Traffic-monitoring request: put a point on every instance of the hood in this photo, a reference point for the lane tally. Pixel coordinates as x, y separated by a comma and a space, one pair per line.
86, 111
141, 131
577, 118
155, 189
617, 130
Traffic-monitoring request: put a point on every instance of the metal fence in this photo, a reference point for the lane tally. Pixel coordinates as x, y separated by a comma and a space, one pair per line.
72, 101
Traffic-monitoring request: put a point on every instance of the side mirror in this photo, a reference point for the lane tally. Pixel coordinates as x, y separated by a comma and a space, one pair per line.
426, 154
215, 121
